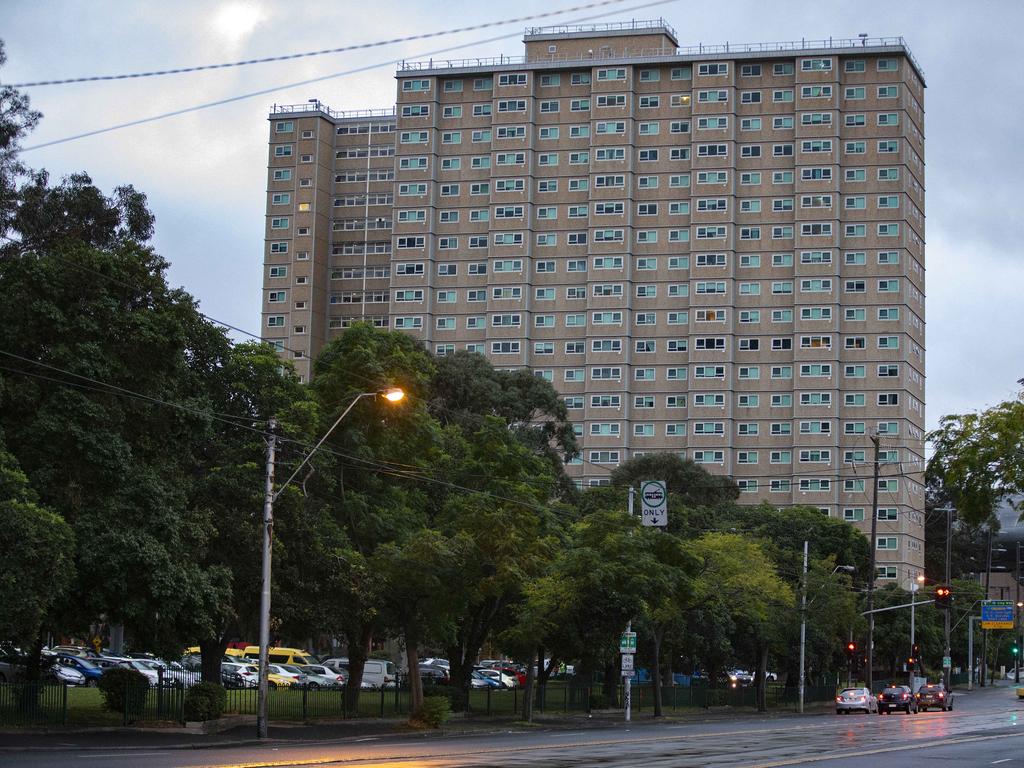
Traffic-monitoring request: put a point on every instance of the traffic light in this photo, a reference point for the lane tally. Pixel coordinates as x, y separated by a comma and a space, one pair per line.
943, 596
1015, 649
851, 651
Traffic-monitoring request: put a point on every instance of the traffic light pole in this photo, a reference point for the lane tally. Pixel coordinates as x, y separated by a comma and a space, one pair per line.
1016, 607
872, 575
947, 671
913, 656
984, 632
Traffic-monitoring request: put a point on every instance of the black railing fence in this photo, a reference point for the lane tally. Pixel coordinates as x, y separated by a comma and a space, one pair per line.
28, 704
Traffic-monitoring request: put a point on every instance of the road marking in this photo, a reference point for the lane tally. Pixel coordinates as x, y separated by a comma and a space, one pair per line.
123, 754
882, 750
369, 738
1004, 760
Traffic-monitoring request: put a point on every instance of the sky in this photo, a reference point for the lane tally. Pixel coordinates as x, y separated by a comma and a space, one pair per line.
205, 172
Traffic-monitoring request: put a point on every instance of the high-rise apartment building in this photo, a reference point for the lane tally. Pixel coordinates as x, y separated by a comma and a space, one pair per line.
715, 251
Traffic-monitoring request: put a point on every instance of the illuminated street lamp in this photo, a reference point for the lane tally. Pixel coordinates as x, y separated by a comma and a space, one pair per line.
392, 395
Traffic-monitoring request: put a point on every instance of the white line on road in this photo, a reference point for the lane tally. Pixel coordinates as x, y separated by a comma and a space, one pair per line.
369, 738
1004, 760
126, 753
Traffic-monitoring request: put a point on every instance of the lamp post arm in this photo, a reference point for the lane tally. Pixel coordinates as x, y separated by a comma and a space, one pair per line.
327, 434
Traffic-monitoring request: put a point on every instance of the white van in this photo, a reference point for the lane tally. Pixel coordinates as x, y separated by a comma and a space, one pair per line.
376, 674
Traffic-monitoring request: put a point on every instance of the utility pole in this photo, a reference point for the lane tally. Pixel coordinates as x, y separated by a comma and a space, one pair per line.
947, 672
871, 574
627, 683
803, 627
984, 632
268, 530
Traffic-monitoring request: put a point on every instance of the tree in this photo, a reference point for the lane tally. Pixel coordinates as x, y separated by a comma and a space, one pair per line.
368, 478
89, 359
979, 458
36, 558
17, 119
247, 388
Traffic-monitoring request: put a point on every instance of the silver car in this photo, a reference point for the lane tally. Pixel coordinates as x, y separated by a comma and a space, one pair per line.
319, 676
855, 700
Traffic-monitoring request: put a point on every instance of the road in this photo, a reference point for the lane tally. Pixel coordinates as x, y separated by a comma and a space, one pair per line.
985, 728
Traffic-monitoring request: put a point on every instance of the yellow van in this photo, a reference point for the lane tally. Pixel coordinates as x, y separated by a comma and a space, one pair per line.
237, 652
281, 655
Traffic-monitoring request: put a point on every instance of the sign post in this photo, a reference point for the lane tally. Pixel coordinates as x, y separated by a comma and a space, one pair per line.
654, 503
627, 647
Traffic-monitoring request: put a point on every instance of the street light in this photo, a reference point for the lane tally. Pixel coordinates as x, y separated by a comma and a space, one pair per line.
392, 395
803, 617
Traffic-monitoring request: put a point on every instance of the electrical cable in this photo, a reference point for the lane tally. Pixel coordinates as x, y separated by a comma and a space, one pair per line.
273, 89
307, 54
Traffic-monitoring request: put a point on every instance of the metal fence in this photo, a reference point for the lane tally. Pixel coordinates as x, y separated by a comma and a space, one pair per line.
33, 704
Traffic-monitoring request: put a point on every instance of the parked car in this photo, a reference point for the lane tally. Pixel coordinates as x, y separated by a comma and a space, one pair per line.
90, 670
437, 662
280, 655
12, 667
504, 681
517, 672
295, 674
61, 673
240, 675
934, 696
855, 700
320, 676
432, 675
478, 680
896, 697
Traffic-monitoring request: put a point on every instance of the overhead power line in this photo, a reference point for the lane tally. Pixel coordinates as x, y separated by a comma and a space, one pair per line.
308, 54
276, 88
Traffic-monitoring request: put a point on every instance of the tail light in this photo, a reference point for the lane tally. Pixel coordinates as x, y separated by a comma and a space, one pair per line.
942, 695
904, 696
839, 698
879, 697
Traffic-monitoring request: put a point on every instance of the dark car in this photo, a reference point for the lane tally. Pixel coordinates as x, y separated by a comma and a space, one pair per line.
896, 697
432, 675
934, 696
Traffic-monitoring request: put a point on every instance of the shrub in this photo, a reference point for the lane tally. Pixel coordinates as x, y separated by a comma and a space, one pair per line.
599, 701
434, 713
205, 701
121, 687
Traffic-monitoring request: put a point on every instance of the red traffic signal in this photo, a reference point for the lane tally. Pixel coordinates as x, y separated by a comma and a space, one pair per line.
943, 596
851, 650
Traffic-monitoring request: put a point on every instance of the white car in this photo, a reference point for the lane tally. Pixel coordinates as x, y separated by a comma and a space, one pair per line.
66, 675
506, 681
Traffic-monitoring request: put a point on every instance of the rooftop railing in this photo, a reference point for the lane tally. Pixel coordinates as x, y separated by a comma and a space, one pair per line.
642, 25
313, 105
607, 54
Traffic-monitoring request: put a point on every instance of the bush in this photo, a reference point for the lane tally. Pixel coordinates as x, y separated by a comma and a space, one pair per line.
599, 701
121, 687
434, 713
205, 701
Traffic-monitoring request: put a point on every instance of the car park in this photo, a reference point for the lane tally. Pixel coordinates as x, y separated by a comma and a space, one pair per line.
855, 700
895, 698
934, 696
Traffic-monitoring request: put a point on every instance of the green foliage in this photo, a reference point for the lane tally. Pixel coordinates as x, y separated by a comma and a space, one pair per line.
205, 701
434, 713
36, 557
979, 458
122, 687
599, 700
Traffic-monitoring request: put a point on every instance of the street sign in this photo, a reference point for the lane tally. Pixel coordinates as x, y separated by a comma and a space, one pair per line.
997, 614
627, 664
654, 503
627, 643
947, 663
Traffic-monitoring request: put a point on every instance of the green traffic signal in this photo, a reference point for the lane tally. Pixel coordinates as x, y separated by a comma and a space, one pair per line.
1014, 650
